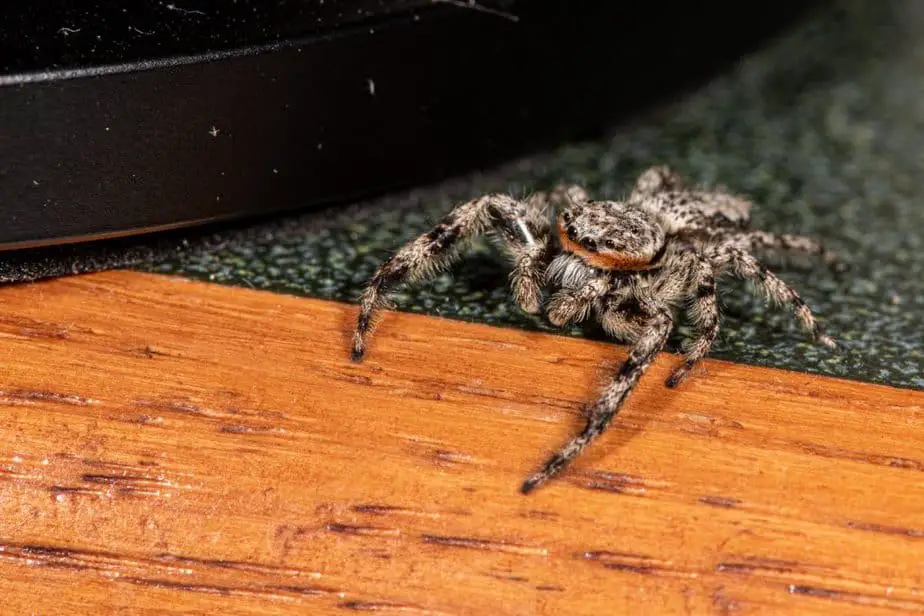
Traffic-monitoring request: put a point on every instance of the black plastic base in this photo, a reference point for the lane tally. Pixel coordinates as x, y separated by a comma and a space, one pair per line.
128, 136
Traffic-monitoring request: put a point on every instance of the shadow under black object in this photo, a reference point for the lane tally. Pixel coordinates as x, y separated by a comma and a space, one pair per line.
204, 114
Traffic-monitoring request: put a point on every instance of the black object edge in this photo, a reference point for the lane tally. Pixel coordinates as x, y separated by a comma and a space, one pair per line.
113, 150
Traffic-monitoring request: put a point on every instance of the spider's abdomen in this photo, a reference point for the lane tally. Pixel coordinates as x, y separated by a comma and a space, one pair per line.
693, 210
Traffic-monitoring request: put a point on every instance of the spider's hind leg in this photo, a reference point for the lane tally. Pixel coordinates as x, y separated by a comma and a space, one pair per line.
786, 245
522, 227
657, 179
746, 265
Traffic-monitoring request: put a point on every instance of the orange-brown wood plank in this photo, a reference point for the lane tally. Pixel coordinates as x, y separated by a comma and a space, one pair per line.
172, 447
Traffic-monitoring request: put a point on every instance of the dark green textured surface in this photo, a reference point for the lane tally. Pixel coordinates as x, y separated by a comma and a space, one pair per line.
824, 129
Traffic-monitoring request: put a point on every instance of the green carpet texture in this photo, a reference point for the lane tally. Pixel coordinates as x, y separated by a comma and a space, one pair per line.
823, 128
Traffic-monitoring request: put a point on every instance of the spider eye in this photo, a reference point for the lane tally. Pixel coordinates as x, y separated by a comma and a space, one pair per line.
590, 243
610, 244
567, 216
572, 233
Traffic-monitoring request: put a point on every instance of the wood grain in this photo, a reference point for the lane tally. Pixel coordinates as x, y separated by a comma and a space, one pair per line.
171, 447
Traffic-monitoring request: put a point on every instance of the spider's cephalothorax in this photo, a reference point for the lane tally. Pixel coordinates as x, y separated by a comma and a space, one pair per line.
631, 264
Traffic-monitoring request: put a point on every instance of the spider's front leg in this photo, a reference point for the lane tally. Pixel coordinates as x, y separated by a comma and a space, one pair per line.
574, 305
601, 413
522, 227
704, 309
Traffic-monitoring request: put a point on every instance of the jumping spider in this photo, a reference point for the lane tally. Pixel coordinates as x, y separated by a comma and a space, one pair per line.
633, 264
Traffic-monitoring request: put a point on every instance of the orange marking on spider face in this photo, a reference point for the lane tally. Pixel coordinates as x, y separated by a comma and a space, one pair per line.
601, 260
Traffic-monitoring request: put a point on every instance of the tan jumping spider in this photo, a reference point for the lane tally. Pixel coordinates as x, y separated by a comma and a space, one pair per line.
633, 264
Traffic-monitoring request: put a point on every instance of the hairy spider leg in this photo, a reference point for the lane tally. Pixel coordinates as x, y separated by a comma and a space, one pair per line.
745, 265
574, 305
786, 244
657, 179
522, 227
704, 309
601, 413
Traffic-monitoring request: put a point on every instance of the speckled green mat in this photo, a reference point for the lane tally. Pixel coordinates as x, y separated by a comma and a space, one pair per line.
824, 128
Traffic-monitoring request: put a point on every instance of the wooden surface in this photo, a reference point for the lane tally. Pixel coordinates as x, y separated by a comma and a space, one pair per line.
170, 447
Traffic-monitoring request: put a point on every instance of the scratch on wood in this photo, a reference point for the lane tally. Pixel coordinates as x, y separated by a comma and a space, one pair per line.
117, 483
756, 564
31, 328
60, 491
719, 501
382, 606
247, 429
535, 514
119, 564
184, 407
150, 352
369, 531
637, 563
858, 456
888, 530
236, 565
883, 600
697, 423
417, 438
811, 591
618, 483
484, 391
177, 407
373, 509
356, 379
476, 389
445, 456
12, 475
131, 480
26, 396
141, 420
97, 463
485, 544
405, 392
505, 576
274, 593
41, 556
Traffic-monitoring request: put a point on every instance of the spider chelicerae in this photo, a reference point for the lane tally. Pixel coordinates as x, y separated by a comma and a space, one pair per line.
632, 264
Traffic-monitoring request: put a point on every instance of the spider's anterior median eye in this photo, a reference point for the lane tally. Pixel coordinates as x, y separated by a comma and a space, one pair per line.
610, 244
589, 243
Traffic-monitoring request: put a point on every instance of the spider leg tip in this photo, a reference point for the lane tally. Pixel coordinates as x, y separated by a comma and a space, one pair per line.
531, 484
676, 378
356, 355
